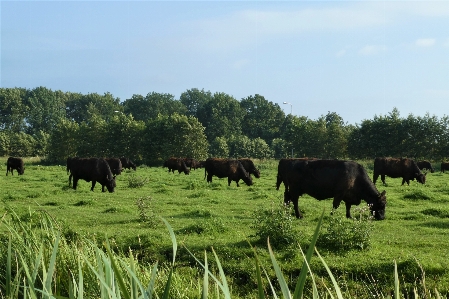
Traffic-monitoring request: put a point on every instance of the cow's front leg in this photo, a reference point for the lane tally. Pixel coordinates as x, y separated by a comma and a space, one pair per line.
93, 185
335, 204
348, 210
382, 177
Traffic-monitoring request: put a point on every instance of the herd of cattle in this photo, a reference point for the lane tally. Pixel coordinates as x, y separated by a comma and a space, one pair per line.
341, 180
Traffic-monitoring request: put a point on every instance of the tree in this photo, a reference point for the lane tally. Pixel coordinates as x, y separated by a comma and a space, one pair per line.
80, 107
262, 118
45, 108
149, 107
222, 117
219, 148
261, 150
64, 141
175, 135
194, 100
279, 148
13, 109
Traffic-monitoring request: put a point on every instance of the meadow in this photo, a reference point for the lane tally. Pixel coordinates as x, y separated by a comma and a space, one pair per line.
204, 216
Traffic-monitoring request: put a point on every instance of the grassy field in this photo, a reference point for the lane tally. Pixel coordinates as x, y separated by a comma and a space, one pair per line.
415, 232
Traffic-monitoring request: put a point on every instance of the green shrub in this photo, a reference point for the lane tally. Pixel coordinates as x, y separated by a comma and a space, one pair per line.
135, 181
276, 224
343, 233
146, 213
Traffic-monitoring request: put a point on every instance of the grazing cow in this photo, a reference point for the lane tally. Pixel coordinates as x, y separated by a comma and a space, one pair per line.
425, 165
127, 163
14, 163
176, 164
283, 168
249, 167
444, 166
192, 163
115, 164
92, 169
397, 168
222, 168
343, 180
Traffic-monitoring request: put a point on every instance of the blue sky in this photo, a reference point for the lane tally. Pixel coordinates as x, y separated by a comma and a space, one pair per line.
356, 58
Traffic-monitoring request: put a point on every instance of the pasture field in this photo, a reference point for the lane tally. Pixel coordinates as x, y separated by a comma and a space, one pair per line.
415, 232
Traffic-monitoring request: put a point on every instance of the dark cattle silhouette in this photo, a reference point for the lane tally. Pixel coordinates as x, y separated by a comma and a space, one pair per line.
345, 181
248, 164
92, 170
127, 163
444, 166
397, 168
176, 164
226, 168
14, 163
425, 165
115, 164
192, 163
283, 167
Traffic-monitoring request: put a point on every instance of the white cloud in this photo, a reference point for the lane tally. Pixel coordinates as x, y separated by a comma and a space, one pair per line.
239, 64
369, 50
425, 42
341, 53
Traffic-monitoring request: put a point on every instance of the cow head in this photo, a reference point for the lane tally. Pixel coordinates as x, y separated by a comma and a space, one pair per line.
378, 207
21, 170
110, 184
247, 179
256, 173
421, 177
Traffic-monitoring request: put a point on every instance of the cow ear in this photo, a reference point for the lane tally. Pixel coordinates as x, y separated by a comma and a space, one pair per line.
383, 193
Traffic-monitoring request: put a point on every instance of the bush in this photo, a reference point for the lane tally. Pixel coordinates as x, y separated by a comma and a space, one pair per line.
343, 233
276, 224
146, 213
135, 181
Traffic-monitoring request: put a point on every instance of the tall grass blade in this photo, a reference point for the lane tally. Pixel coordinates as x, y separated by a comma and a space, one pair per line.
279, 275
116, 273
106, 291
205, 290
271, 285
80, 280
225, 289
336, 287
150, 289
27, 278
314, 288
260, 292
8, 270
299, 289
175, 249
397, 293
51, 266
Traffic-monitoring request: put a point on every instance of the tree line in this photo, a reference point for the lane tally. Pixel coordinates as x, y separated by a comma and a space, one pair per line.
151, 128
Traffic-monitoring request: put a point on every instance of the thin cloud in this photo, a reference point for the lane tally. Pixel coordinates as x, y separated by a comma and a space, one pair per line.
370, 50
425, 42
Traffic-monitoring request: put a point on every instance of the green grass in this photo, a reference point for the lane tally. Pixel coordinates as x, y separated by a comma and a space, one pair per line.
203, 216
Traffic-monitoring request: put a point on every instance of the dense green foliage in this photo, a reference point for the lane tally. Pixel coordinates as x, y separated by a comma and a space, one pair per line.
148, 129
205, 216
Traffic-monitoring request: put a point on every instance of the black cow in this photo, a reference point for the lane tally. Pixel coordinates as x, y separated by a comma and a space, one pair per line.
127, 163
92, 169
248, 164
425, 165
397, 168
176, 164
14, 163
192, 163
115, 164
343, 180
444, 166
283, 168
222, 168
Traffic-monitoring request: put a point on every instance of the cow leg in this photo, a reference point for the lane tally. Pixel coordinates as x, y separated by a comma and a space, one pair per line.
70, 180
278, 182
75, 182
209, 178
348, 210
296, 208
335, 204
382, 177
93, 185
375, 177
102, 188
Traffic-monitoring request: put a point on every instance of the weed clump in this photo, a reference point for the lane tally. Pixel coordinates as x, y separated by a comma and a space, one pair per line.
146, 213
277, 224
135, 181
346, 234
